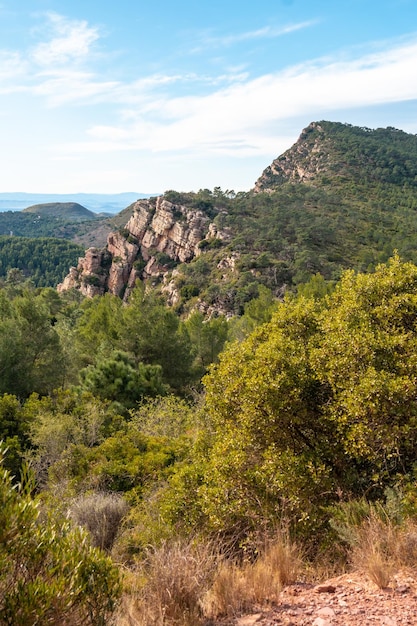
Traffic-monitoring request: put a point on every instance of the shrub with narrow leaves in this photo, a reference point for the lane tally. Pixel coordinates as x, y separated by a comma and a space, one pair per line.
49, 572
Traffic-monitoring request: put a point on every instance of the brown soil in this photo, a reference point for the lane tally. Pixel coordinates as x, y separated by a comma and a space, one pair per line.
349, 600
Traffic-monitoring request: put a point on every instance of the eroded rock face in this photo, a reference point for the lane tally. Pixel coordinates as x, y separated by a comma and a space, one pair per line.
172, 229
306, 159
156, 234
90, 275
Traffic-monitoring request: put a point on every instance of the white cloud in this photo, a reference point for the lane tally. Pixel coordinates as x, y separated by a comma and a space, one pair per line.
12, 65
267, 32
70, 40
72, 86
237, 119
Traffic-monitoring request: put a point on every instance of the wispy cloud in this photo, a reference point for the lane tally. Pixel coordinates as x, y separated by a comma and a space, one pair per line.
69, 40
207, 41
62, 69
267, 32
237, 119
72, 87
12, 66
232, 112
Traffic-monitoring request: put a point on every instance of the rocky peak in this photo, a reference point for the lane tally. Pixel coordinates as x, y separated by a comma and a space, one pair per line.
308, 157
158, 234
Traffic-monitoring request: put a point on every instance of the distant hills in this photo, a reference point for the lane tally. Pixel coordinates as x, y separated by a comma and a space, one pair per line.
62, 210
341, 197
98, 203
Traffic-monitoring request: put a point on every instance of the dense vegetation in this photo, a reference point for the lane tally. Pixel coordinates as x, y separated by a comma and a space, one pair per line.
44, 260
356, 204
311, 408
22, 224
152, 437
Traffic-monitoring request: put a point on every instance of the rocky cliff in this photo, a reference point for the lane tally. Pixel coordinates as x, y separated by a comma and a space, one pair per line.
308, 157
158, 234
341, 197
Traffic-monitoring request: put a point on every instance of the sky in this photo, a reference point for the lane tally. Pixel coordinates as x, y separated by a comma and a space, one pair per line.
127, 95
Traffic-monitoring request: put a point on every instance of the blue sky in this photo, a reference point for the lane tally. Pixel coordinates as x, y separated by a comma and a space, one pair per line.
129, 95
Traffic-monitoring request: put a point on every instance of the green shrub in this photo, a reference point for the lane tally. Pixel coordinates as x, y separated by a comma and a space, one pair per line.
49, 573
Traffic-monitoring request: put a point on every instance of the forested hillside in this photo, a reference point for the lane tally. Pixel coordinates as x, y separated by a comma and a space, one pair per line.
342, 197
44, 260
63, 210
92, 231
168, 464
301, 439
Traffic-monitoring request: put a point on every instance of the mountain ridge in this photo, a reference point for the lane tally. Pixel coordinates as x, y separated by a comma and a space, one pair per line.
341, 197
318, 151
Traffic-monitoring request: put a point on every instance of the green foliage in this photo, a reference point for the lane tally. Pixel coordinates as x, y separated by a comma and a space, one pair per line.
22, 224
98, 327
369, 365
356, 207
128, 461
207, 338
14, 431
317, 287
49, 573
45, 261
154, 335
316, 403
256, 312
62, 421
118, 378
30, 353
167, 416
63, 210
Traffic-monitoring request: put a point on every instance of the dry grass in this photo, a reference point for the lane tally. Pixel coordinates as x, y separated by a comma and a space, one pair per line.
237, 588
176, 578
383, 548
183, 584
101, 514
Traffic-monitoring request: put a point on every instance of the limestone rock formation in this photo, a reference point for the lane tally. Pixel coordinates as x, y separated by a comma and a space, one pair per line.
307, 158
157, 235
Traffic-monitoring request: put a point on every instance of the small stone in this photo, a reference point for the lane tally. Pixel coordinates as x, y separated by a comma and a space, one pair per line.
325, 589
326, 611
296, 611
319, 621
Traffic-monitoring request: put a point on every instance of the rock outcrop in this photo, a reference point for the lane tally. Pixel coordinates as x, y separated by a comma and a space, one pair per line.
305, 160
157, 235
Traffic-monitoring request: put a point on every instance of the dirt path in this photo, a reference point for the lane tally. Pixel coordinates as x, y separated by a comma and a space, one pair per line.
349, 600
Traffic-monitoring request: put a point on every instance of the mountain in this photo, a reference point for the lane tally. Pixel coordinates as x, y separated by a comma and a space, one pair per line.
61, 210
98, 203
335, 151
341, 197
61, 220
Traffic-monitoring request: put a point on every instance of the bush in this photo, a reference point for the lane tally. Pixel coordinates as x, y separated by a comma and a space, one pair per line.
49, 573
101, 514
177, 577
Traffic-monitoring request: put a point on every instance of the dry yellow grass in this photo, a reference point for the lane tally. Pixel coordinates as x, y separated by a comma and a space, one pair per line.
383, 548
184, 584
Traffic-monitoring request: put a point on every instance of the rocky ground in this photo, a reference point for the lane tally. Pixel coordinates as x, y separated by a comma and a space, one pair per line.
349, 600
